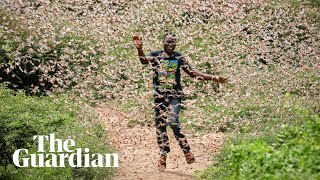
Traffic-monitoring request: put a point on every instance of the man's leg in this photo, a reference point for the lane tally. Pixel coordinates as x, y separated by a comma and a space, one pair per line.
173, 113
161, 131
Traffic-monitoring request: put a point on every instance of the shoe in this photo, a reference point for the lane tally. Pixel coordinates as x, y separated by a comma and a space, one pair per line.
162, 163
189, 157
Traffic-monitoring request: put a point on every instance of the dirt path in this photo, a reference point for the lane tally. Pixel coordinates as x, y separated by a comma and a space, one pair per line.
138, 151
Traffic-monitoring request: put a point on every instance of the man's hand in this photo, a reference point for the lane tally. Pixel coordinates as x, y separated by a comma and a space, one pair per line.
220, 79
137, 41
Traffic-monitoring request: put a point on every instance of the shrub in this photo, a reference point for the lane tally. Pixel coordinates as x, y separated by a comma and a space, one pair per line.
37, 64
290, 154
22, 117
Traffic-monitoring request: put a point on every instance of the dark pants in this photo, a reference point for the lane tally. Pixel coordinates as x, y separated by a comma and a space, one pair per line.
167, 111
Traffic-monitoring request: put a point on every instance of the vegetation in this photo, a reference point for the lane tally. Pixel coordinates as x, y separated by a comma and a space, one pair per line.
23, 116
267, 49
291, 153
38, 64
277, 136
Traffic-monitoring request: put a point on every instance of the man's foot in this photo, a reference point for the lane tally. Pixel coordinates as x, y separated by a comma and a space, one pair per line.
189, 157
162, 163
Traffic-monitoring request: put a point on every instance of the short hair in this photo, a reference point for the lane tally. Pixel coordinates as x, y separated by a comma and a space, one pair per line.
168, 34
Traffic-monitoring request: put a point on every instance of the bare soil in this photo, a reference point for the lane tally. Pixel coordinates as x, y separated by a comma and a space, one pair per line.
138, 151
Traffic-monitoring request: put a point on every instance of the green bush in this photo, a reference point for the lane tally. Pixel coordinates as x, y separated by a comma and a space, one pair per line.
37, 63
293, 153
315, 3
22, 117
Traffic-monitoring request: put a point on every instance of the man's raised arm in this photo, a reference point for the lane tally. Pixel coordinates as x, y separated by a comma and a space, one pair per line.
137, 40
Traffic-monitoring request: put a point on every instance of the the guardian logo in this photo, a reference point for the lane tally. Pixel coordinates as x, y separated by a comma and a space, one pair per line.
62, 154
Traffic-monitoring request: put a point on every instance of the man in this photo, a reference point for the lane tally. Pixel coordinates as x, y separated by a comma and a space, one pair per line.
166, 66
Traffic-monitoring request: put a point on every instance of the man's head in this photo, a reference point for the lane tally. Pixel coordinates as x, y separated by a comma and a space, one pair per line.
169, 43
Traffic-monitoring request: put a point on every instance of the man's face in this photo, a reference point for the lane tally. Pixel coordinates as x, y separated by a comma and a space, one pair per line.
169, 44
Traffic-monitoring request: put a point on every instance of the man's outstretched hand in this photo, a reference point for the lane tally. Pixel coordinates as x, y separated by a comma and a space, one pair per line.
221, 80
137, 41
